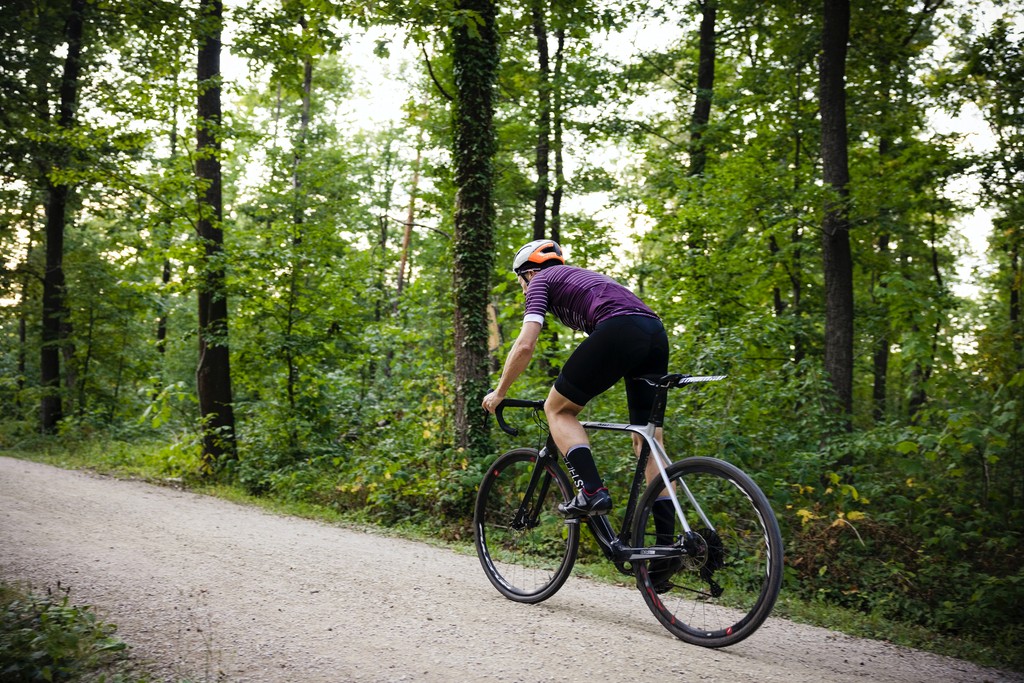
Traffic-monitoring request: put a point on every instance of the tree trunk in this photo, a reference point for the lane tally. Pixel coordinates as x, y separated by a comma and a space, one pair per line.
796, 293
796, 275
880, 357
836, 253
701, 114
409, 220
56, 326
165, 273
23, 330
778, 305
558, 85
1016, 333
161, 323
51, 409
298, 206
86, 360
213, 374
298, 221
543, 151
922, 371
881, 353
475, 65
705, 88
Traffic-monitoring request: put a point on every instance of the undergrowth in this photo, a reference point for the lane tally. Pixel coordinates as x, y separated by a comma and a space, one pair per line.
44, 637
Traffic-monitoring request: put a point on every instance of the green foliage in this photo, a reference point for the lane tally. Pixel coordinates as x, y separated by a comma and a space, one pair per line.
47, 638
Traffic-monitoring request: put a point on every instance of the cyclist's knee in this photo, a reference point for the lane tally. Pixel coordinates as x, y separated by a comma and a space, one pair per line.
558, 406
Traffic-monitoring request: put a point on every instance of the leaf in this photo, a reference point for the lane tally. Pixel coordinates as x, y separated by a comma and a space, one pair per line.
806, 515
906, 447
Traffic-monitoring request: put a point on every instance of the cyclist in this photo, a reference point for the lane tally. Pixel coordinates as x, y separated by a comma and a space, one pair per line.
626, 339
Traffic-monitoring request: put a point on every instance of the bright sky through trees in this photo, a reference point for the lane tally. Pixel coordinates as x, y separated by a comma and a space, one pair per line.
381, 92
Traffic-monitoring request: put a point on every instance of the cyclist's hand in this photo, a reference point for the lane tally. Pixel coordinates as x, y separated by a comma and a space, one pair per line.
492, 401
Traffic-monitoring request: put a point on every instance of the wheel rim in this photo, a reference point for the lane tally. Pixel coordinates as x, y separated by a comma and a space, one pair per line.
728, 584
524, 559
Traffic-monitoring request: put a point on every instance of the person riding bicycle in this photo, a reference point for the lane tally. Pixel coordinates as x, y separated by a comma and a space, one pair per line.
626, 340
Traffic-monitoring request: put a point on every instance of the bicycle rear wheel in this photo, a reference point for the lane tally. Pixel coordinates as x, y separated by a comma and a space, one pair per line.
525, 546
726, 584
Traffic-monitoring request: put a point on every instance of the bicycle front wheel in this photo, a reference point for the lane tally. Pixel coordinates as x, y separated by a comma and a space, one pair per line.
525, 546
725, 585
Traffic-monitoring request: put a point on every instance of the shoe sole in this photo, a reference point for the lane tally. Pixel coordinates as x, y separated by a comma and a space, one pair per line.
584, 514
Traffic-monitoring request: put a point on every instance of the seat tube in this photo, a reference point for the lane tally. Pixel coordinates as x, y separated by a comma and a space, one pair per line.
661, 459
660, 456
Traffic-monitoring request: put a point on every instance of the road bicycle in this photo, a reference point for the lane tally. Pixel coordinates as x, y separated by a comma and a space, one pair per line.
711, 582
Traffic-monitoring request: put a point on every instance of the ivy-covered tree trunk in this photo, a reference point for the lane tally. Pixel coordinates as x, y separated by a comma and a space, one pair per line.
836, 254
475, 65
56, 326
213, 375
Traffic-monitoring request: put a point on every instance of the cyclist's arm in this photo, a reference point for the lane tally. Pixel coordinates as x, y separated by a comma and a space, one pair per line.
516, 362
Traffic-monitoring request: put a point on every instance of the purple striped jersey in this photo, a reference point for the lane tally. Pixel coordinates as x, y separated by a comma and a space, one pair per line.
581, 299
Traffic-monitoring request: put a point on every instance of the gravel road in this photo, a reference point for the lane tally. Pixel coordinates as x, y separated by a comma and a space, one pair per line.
213, 591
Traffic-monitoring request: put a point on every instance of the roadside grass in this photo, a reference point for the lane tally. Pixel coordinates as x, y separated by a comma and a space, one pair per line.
43, 637
158, 463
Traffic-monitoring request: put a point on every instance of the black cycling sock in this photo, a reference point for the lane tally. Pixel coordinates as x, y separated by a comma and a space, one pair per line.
583, 470
664, 514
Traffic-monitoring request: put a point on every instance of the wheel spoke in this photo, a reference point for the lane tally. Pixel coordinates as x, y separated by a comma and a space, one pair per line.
524, 545
730, 575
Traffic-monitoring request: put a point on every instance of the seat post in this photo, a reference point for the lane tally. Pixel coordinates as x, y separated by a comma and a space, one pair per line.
659, 405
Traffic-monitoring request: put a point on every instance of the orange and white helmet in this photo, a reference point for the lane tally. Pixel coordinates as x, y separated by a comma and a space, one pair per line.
537, 254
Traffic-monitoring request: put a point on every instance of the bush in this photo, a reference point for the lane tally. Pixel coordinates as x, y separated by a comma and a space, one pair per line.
46, 638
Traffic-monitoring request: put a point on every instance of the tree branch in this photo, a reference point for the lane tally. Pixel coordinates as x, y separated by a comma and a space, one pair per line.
430, 70
419, 225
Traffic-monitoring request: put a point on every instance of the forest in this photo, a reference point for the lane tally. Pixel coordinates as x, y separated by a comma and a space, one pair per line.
222, 243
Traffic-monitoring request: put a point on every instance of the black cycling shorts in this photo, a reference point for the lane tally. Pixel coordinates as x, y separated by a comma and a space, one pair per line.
623, 347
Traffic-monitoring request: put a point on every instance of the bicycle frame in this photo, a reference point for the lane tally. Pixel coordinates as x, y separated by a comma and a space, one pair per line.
618, 547
650, 448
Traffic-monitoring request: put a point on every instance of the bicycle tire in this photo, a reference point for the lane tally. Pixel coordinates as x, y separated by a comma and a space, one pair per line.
728, 585
527, 561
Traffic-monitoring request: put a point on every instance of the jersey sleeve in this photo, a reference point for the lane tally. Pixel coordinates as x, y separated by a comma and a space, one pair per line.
536, 302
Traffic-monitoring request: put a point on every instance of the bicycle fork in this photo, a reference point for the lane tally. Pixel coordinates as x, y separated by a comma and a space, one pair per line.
526, 517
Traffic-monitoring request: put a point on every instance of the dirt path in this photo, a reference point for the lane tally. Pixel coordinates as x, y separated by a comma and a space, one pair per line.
210, 590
